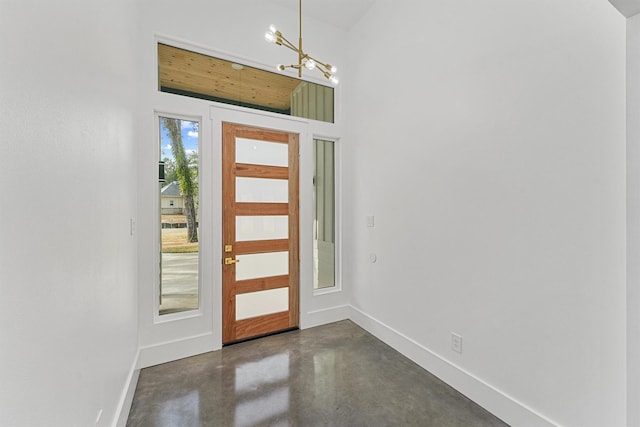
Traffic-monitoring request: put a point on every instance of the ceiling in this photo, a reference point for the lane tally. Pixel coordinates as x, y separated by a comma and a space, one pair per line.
342, 14
627, 7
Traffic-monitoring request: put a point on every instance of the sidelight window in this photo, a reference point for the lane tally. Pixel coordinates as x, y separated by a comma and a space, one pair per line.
324, 224
178, 211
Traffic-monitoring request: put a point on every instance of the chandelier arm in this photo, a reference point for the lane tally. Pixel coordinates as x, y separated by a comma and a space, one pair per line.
293, 48
324, 70
294, 66
287, 43
285, 40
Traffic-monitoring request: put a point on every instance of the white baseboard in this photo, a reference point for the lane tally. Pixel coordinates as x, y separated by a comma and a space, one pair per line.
322, 317
174, 350
493, 400
126, 398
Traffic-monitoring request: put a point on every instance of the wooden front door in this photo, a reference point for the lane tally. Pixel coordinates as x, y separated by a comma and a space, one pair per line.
260, 274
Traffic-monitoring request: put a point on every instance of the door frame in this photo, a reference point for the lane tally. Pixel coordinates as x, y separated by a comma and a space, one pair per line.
316, 308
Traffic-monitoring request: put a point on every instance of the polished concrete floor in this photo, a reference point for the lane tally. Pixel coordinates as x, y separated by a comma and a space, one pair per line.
332, 375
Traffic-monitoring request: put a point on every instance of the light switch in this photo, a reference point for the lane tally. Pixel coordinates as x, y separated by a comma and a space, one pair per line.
370, 221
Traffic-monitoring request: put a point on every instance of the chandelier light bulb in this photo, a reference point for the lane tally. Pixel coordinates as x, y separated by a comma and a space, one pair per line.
333, 69
310, 64
273, 28
270, 37
334, 80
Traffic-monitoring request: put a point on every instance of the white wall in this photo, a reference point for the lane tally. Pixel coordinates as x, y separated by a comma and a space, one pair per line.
236, 28
68, 304
488, 139
633, 219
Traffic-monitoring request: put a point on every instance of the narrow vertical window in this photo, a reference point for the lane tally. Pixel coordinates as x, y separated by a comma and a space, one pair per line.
324, 229
179, 247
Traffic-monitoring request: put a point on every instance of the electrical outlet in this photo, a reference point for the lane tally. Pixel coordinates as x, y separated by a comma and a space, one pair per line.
371, 222
456, 342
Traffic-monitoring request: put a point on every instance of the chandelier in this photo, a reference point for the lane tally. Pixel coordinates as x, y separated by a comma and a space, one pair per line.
304, 59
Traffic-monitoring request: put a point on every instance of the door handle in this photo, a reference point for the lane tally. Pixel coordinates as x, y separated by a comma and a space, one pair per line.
229, 261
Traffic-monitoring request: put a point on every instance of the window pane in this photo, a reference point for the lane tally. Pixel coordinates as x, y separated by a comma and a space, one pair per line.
257, 152
324, 215
262, 265
262, 190
262, 227
179, 248
181, 72
261, 303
